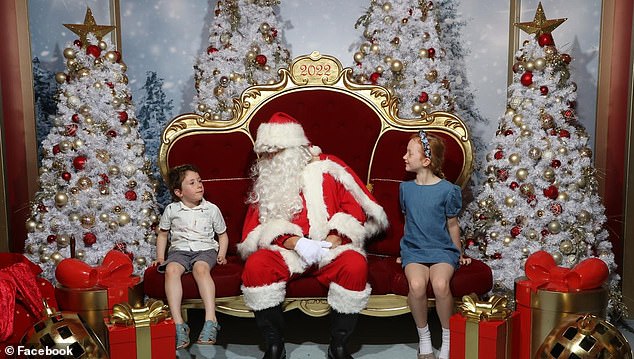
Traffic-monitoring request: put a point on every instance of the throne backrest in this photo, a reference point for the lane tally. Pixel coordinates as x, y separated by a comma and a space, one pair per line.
357, 123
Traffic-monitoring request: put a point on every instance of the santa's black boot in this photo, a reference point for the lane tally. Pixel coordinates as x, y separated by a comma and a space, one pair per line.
271, 324
342, 327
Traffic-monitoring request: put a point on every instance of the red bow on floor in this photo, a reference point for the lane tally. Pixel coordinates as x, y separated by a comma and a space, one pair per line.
17, 282
116, 270
544, 273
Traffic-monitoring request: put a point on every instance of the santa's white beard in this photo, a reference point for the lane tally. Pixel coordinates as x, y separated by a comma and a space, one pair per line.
277, 185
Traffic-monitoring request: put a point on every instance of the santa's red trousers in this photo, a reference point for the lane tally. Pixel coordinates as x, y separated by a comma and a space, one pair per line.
265, 267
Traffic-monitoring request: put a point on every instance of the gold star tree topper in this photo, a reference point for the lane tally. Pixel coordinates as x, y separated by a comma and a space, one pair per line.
89, 26
540, 25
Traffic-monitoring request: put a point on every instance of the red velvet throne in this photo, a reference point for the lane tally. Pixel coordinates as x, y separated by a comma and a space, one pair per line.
359, 124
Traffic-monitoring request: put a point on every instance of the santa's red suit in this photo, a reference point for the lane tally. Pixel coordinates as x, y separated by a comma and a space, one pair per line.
335, 201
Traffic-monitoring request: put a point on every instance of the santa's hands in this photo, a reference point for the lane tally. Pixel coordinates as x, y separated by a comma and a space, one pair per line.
311, 251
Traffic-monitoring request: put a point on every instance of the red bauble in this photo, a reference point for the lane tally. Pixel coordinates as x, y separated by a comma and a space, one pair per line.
545, 40
514, 185
260, 60
564, 133
56, 149
515, 231
110, 84
211, 50
572, 104
120, 246
75, 118
532, 200
569, 114
469, 242
497, 255
374, 78
273, 32
118, 55
502, 175
42, 208
89, 239
551, 192
123, 116
545, 232
111, 133
555, 163
556, 208
431, 52
508, 132
543, 90
566, 58
79, 162
527, 78
71, 129
130, 195
66, 176
93, 50
499, 154
52, 238
424, 97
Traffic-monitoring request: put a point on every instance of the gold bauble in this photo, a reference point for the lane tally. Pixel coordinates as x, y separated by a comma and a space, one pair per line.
514, 159
562, 151
87, 221
44, 257
534, 153
201, 107
61, 199
358, 57
507, 240
388, 19
387, 59
509, 201
554, 227
585, 152
549, 174
56, 257
140, 261
557, 257
113, 225
375, 49
494, 235
31, 225
123, 218
563, 196
69, 53
251, 56
584, 216
80, 254
154, 218
417, 109
423, 53
396, 66
62, 240
102, 45
435, 99
83, 72
517, 119
540, 63
104, 217
114, 170
386, 6
111, 56
522, 174
431, 76
117, 209
532, 234
585, 336
566, 246
84, 183
60, 77
30, 249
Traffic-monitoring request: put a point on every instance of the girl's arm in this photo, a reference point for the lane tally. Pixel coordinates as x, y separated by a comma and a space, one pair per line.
454, 232
223, 240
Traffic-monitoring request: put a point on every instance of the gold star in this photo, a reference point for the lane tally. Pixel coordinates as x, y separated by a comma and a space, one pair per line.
89, 26
540, 25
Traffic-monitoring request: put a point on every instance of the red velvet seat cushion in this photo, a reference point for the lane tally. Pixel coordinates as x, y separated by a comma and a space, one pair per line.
387, 276
226, 278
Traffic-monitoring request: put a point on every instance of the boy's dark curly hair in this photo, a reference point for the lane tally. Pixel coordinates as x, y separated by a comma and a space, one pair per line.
176, 176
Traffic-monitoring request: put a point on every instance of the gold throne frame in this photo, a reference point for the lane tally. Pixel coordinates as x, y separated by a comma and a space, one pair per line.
311, 72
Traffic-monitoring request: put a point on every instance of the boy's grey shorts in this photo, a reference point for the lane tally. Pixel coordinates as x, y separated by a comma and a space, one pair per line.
188, 258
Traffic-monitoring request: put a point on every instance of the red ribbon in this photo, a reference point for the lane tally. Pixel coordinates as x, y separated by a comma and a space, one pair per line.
17, 282
115, 271
543, 273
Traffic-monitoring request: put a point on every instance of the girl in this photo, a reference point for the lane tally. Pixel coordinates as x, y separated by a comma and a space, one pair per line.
430, 247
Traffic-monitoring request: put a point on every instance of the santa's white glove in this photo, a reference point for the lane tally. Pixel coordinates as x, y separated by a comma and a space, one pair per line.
311, 251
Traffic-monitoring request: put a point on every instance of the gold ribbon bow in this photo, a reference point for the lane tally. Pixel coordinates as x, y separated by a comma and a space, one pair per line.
493, 309
141, 318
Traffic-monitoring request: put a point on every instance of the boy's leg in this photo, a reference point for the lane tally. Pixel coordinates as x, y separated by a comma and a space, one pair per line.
174, 289
206, 288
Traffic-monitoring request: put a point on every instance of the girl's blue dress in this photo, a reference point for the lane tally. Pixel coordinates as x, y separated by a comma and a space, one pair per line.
426, 209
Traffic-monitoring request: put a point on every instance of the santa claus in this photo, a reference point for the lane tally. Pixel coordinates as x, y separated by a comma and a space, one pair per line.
309, 214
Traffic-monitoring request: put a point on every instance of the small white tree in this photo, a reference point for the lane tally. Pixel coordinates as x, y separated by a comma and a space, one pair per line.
244, 50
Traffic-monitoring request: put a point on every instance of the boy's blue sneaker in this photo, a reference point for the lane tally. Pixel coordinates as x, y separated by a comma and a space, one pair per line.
209, 333
182, 335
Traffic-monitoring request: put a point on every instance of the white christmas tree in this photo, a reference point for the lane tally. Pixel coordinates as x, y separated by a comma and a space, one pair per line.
541, 190
94, 189
244, 50
401, 51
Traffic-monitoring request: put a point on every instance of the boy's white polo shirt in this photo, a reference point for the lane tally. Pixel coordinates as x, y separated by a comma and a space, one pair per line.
193, 229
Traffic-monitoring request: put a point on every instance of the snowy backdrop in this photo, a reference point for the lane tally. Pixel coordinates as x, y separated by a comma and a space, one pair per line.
161, 39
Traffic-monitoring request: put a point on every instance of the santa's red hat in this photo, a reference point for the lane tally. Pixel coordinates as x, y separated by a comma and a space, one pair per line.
280, 132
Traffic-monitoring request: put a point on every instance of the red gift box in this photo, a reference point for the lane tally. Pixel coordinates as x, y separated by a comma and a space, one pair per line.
550, 294
475, 334
141, 333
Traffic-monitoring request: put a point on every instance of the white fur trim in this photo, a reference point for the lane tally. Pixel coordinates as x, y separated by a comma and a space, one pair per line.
348, 226
264, 234
266, 296
276, 136
313, 191
331, 254
348, 301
